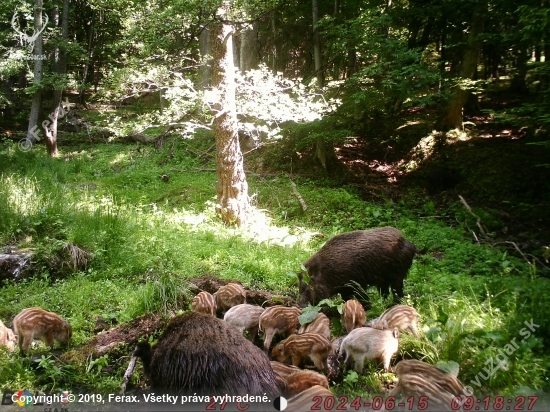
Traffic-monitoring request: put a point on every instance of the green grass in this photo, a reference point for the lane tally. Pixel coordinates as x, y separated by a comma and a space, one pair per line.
147, 237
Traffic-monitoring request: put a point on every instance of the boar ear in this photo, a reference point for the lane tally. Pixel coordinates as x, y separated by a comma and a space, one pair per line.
396, 333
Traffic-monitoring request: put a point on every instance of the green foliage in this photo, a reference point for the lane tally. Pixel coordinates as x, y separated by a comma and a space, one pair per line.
266, 100
263, 100
335, 307
14, 373
110, 200
394, 76
163, 295
297, 147
355, 385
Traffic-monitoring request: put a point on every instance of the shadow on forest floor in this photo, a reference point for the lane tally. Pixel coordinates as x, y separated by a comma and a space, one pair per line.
494, 168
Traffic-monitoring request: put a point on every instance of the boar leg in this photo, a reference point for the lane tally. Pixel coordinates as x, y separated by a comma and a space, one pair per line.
48, 339
347, 361
268, 338
296, 360
359, 363
252, 334
387, 360
318, 362
24, 342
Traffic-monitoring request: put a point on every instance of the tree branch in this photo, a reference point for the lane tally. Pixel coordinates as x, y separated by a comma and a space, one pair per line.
298, 195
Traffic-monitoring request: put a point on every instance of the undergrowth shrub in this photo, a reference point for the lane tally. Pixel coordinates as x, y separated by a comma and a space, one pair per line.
296, 151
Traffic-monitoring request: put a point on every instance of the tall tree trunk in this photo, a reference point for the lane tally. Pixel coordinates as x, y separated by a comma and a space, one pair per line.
274, 51
250, 58
89, 62
351, 62
236, 40
36, 105
453, 116
518, 83
205, 70
320, 144
317, 45
233, 202
60, 67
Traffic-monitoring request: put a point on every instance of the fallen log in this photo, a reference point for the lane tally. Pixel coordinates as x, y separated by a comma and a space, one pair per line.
211, 284
127, 334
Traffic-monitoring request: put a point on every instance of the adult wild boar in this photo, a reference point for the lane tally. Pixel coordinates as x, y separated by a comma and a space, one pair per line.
377, 257
201, 354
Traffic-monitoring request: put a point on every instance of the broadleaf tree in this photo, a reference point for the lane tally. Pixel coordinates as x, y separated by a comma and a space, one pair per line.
232, 188
233, 202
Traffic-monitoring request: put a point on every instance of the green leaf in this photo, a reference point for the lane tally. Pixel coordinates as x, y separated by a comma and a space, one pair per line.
308, 314
442, 316
449, 366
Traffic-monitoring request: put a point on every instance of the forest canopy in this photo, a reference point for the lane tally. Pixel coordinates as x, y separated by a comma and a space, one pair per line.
149, 150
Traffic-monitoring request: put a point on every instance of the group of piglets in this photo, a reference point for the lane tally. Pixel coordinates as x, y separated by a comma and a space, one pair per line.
309, 346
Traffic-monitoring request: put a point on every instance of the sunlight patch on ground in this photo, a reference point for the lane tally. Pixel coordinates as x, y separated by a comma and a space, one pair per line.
426, 147
24, 199
422, 151
121, 158
259, 228
22, 194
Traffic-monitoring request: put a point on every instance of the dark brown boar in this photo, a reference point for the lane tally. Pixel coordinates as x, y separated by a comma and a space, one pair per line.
7, 337
302, 380
353, 315
245, 317
377, 257
300, 347
278, 320
229, 295
37, 323
433, 373
399, 316
307, 399
417, 386
201, 354
319, 325
204, 302
368, 343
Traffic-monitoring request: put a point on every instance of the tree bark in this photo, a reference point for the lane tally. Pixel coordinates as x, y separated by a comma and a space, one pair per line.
36, 105
320, 144
453, 116
317, 45
89, 61
60, 67
274, 50
518, 83
233, 202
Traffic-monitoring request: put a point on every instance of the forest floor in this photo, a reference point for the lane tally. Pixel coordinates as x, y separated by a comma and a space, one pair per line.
498, 170
149, 237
